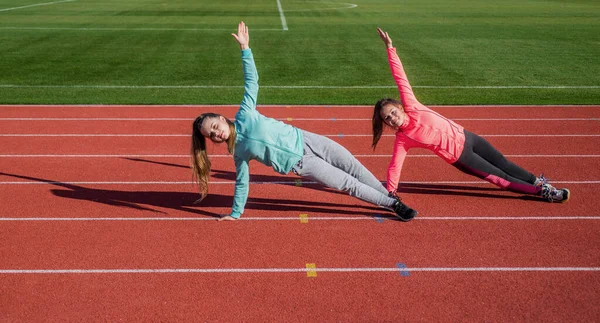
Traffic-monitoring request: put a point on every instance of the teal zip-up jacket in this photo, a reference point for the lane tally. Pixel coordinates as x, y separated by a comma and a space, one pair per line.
266, 140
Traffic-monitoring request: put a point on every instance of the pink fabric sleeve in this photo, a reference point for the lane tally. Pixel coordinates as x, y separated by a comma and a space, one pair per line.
406, 93
395, 168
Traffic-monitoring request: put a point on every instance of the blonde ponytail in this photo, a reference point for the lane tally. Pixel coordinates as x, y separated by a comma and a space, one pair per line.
200, 162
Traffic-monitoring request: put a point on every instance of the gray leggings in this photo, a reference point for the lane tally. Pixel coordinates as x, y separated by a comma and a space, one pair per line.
332, 165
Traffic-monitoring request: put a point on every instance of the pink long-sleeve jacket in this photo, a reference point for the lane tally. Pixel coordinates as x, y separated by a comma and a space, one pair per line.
423, 128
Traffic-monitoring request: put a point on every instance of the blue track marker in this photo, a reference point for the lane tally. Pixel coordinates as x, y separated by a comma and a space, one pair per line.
403, 270
341, 135
379, 218
332, 119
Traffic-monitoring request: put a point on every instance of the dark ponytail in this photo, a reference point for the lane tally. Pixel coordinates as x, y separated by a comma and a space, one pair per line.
377, 121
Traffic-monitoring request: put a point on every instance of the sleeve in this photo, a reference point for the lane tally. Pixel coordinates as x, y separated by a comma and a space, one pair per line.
240, 196
250, 81
395, 168
406, 93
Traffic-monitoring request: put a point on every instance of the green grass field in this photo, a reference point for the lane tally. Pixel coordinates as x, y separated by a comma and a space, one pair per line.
181, 51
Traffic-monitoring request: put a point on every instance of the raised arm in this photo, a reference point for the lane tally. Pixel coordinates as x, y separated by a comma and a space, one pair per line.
250, 73
406, 93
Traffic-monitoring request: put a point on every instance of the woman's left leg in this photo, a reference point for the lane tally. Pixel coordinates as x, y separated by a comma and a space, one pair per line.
481, 159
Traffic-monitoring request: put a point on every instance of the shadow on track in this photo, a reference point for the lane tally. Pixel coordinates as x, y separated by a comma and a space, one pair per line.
228, 175
184, 201
443, 189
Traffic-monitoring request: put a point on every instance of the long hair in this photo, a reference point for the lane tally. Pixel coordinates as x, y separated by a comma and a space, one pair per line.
200, 162
377, 121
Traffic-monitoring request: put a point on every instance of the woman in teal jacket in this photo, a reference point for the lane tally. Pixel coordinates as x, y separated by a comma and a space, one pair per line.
283, 147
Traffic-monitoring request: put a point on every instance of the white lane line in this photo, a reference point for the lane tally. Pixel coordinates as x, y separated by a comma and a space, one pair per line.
233, 182
229, 156
341, 135
290, 119
123, 29
324, 218
346, 6
35, 5
300, 86
294, 270
282, 16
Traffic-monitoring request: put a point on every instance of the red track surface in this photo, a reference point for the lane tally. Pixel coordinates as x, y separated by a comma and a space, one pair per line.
475, 253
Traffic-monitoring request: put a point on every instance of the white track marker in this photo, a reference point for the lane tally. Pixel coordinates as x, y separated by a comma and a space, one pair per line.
282, 16
291, 270
296, 87
35, 5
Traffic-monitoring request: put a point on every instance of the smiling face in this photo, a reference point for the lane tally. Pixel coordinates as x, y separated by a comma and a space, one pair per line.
216, 129
392, 115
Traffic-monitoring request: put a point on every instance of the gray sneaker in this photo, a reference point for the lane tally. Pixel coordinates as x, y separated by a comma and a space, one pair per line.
541, 180
553, 194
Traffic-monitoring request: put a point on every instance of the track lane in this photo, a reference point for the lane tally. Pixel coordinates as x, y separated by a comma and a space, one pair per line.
242, 244
165, 111
326, 126
291, 297
180, 145
275, 201
420, 168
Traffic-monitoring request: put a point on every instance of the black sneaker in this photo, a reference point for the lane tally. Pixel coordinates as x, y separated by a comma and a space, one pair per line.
403, 212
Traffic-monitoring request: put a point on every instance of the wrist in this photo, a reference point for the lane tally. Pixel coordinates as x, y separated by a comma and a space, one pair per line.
243, 47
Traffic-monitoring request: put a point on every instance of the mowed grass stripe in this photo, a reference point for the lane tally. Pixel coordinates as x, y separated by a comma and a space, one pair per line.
446, 46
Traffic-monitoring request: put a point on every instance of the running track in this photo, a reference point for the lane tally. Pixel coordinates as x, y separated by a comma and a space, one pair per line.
98, 224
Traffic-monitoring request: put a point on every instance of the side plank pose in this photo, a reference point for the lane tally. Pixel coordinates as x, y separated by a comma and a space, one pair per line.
253, 136
418, 126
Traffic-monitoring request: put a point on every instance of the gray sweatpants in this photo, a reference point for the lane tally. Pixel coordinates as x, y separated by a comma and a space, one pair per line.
332, 165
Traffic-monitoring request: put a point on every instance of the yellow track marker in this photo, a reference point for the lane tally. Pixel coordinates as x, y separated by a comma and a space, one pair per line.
303, 218
311, 270
298, 182
289, 119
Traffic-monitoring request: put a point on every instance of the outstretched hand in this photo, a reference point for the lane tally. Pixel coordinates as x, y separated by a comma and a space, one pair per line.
385, 37
242, 36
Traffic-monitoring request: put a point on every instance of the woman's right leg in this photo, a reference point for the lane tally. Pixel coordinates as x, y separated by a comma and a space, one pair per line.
321, 171
336, 155
321, 163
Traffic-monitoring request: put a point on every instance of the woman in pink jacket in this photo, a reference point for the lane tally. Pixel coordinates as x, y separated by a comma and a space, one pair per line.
418, 126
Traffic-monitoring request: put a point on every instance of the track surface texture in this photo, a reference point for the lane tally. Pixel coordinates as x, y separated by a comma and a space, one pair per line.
98, 223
